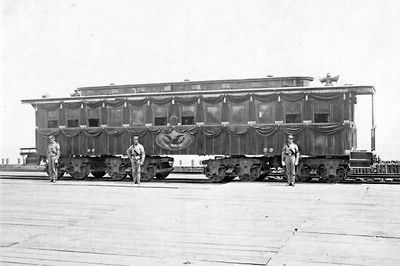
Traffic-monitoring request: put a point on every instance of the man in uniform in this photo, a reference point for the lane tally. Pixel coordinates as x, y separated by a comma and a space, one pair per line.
52, 155
136, 154
290, 158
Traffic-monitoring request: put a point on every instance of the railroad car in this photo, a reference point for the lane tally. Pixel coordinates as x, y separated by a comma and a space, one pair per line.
242, 122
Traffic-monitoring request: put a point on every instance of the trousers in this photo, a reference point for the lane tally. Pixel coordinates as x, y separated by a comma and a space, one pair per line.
290, 168
52, 168
136, 171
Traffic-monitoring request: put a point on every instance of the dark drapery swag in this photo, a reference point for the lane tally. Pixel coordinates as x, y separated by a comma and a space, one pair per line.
190, 100
208, 131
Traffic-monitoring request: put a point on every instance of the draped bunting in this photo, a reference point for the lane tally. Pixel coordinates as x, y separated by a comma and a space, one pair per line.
137, 103
114, 131
94, 105
208, 139
116, 103
238, 130
71, 133
189, 100
325, 96
328, 129
49, 106
292, 97
212, 131
209, 131
161, 101
213, 99
138, 132
46, 133
72, 105
92, 132
292, 129
266, 97
238, 98
266, 130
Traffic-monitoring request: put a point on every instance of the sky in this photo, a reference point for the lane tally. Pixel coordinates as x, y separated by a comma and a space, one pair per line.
56, 46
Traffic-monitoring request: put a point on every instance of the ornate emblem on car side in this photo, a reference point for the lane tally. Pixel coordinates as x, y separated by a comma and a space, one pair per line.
174, 140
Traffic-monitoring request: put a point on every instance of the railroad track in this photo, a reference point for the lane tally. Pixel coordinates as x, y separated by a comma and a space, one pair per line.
186, 178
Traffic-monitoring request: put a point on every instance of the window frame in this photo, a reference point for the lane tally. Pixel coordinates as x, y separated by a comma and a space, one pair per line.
111, 109
286, 112
219, 107
133, 109
194, 114
57, 112
75, 114
273, 108
245, 117
315, 107
88, 117
155, 114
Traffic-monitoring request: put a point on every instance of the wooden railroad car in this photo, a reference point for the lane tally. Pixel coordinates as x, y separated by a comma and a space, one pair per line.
243, 122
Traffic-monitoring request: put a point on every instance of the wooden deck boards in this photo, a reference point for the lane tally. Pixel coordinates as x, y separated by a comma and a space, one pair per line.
117, 223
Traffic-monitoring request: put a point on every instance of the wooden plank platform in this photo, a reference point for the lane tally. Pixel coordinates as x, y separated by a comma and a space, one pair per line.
118, 223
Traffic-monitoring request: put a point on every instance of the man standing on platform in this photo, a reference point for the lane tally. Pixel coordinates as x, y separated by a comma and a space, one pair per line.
52, 155
136, 154
290, 158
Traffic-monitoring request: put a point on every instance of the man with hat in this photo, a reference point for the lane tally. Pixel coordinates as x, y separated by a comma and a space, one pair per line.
290, 158
52, 155
136, 154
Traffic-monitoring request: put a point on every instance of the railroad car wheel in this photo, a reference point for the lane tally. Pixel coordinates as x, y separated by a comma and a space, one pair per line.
322, 173
79, 175
253, 175
229, 178
148, 174
341, 174
161, 176
303, 174
217, 178
60, 174
98, 174
117, 176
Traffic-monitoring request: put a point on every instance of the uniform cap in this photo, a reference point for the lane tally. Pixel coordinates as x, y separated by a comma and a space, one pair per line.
290, 136
52, 137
